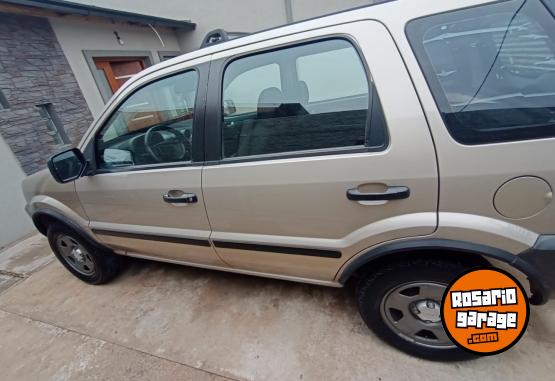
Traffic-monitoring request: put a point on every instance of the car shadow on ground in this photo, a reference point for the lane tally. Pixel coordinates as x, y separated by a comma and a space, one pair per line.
331, 299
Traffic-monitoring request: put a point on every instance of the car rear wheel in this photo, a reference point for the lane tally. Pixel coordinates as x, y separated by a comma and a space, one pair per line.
401, 304
87, 262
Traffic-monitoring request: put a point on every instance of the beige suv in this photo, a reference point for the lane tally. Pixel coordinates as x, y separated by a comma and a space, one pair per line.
396, 145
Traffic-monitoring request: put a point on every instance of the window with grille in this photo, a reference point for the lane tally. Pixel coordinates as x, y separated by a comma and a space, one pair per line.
53, 123
3, 101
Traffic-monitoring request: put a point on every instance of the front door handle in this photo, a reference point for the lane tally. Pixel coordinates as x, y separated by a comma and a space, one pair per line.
392, 193
180, 197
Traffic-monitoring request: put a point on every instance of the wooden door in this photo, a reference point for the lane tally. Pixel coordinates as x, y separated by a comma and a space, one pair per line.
119, 69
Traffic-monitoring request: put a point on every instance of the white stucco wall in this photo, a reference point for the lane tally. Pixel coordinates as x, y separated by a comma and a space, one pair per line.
232, 15
246, 15
15, 223
76, 36
237, 16
304, 9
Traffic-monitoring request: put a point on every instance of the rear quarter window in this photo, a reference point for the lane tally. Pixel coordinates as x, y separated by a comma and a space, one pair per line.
491, 69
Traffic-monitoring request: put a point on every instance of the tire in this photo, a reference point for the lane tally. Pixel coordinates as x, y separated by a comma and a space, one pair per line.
400, 303
87, 262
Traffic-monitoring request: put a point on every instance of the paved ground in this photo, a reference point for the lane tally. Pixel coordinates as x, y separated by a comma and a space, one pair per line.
169, 322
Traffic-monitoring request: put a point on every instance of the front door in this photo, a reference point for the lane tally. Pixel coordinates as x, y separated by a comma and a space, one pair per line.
321, 150
145, 198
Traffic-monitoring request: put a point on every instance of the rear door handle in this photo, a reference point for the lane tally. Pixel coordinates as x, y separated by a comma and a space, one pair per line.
178, 197
392, 193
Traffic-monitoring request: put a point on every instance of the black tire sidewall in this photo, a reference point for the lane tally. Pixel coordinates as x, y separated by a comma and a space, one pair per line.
105, 262
375, 286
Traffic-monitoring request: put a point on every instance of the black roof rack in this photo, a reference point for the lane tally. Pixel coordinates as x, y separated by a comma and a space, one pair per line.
218, 36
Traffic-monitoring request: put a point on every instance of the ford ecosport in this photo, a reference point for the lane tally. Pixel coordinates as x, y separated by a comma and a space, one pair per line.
397, 145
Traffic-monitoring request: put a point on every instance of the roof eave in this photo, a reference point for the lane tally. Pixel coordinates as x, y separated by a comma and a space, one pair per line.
64, 7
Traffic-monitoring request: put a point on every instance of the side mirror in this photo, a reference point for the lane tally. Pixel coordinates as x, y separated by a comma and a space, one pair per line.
67, 166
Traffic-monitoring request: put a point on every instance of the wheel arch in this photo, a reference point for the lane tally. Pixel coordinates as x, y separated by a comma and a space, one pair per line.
468, 252
46, 217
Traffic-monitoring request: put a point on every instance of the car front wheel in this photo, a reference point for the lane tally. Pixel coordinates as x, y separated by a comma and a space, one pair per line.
88, 263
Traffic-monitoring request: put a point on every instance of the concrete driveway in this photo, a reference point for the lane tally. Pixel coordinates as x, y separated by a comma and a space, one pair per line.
168, 322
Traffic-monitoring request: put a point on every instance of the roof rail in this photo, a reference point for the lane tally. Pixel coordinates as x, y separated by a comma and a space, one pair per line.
218, 36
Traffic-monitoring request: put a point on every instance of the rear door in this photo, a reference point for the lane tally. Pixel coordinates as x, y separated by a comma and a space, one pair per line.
317, 148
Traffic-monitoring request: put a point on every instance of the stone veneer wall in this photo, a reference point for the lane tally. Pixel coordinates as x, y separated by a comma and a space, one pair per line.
34, 71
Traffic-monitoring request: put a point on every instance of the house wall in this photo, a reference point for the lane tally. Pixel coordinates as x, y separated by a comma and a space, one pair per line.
34, 71
76, 36
236, 15
304, 9
15, 222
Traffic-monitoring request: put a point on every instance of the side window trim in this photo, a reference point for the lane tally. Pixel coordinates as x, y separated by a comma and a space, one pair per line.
214, 125
197, 143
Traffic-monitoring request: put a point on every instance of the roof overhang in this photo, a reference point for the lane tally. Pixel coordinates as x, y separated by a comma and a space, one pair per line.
61, 8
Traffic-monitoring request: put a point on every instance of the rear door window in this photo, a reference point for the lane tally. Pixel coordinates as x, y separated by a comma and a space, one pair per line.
314, 96
491, 69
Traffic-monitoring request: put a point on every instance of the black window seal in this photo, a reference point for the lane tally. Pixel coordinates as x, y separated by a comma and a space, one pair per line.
334, 151
146, 167
214, 121
550, 8
202, 70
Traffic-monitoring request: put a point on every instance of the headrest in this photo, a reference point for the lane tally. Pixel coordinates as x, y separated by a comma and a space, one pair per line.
301, 92
269, 100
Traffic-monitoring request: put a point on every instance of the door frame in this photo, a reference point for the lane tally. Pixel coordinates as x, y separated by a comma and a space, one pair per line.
99, 80
105, 64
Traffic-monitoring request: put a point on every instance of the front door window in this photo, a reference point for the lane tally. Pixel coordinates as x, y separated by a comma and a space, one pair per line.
152, 126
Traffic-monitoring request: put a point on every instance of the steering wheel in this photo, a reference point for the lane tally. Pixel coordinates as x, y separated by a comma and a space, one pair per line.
164, 149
